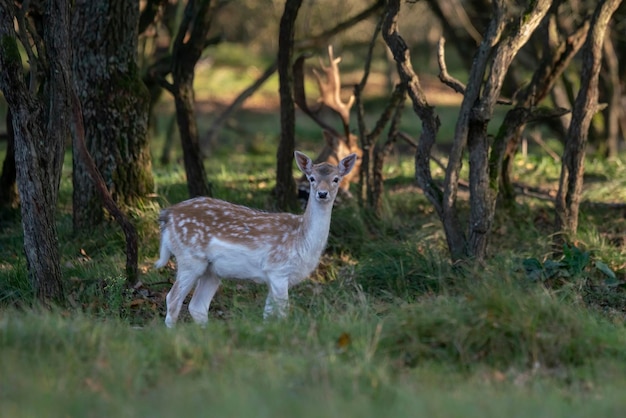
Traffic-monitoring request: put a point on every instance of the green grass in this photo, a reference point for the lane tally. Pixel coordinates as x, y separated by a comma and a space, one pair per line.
335, 356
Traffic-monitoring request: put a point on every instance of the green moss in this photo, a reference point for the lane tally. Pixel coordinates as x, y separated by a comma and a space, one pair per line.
9, 49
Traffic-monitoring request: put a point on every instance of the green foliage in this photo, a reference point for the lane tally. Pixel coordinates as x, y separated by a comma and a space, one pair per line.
575, 265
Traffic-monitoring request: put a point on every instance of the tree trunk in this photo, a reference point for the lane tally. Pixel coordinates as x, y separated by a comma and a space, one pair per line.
483, 188
188, 46
613, 91
382, 151
115, 107
585, 106
285, 185
40, 122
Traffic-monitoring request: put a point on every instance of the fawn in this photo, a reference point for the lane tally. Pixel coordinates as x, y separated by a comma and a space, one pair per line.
213, 240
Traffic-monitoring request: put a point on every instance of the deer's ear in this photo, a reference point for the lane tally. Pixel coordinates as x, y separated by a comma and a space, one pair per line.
304, 163
346, 165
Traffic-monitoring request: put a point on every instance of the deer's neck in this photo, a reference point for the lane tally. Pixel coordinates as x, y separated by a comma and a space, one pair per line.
315, 227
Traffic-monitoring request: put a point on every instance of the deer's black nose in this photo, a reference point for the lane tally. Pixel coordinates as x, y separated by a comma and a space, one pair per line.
322, 195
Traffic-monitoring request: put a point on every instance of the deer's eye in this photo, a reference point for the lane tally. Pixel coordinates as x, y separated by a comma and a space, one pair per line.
336, 180
311, 179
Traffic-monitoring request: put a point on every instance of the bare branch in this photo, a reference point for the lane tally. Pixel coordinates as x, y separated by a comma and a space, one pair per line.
221, 119
446, 78
24, 29
452, 82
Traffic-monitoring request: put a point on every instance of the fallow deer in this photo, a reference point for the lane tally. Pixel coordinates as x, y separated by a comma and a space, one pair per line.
337, 145
214, 240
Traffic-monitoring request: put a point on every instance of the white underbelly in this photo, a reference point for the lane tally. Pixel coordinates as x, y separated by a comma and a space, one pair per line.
233, 261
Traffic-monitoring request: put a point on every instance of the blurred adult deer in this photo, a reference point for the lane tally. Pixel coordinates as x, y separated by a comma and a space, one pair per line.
337, 145
214, 240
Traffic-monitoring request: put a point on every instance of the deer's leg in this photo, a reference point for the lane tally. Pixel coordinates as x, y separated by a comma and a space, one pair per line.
202, 296
277, 302
186, 278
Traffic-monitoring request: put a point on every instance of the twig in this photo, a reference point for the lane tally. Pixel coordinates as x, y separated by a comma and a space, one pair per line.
537, 138
452, 82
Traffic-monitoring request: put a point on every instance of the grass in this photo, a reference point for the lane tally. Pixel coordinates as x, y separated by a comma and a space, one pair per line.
387, 325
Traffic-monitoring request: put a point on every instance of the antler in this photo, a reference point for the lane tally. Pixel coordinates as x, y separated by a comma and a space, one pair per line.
330, 88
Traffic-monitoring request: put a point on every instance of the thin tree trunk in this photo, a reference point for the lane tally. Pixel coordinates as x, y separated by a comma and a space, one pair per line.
613, 89
285, 185
585, 106
381, 152
188, 46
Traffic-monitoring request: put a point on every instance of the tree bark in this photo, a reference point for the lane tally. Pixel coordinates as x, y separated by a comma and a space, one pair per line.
585, 106
115, 106
285, 185
40, 122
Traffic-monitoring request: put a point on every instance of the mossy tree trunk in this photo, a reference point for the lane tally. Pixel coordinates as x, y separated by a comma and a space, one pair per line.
115, 107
